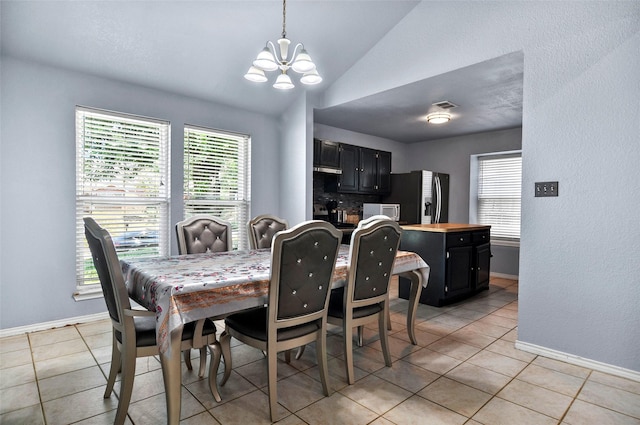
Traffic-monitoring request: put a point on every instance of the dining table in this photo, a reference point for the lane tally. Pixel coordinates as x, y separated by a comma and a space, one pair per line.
185, 288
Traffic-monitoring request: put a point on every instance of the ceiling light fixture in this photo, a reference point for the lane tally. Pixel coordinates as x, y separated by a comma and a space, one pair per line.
268, 60
438, 117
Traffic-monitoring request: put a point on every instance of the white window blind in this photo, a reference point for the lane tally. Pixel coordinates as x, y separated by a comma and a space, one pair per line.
499, 191
122, 181
217, 178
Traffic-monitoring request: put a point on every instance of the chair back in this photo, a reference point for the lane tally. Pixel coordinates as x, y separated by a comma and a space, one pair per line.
262, 228
303, 259
203, 233
372, 252
105, 260
371, 219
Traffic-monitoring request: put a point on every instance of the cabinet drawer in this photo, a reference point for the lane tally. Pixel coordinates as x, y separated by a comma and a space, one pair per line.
481, 236
458, 239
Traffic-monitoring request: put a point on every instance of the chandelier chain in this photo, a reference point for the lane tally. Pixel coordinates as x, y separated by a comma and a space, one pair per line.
284, 18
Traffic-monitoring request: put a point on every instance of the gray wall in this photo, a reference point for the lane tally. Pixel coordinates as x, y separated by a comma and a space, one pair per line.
579, 264
296, 150
37, 188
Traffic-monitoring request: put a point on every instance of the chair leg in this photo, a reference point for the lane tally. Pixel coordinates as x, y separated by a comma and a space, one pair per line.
300, 352
225, 347
389, 320
384, 336
114, 369
126, 383
272, 370
321, 352
187, 359
213, 369
360, 335
348, 351
203, 361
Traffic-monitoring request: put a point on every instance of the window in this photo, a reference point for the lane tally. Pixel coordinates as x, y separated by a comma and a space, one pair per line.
499, 191
122, 181
217, 178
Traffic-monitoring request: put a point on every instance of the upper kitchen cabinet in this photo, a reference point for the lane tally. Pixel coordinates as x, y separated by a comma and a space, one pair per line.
384, 171
326, 156
364, 170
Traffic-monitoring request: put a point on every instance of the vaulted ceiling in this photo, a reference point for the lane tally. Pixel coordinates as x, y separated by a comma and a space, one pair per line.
203, 48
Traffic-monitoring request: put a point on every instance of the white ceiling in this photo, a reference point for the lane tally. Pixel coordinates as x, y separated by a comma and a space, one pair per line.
203, 48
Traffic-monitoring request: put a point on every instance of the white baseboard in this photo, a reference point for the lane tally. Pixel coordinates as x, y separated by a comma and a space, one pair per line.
53, 324
504, 276
579, 361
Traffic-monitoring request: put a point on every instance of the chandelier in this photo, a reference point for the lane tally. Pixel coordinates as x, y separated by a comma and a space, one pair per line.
268, 60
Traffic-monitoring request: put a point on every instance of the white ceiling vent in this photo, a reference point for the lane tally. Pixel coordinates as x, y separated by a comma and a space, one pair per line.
445, 104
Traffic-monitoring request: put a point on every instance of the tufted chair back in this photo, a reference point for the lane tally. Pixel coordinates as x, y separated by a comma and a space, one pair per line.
203, 233
262, 228
372, 262
302, 266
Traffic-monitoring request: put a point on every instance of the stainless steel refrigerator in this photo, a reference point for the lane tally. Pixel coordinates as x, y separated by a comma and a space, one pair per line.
423, 196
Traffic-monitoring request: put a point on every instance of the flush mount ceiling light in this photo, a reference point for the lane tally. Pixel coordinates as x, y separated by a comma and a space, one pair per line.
268, 60
438, 117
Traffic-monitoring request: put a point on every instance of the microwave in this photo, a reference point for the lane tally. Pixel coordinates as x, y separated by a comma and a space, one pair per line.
390, 210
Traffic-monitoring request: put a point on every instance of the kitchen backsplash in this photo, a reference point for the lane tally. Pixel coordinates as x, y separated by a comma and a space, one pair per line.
352, 203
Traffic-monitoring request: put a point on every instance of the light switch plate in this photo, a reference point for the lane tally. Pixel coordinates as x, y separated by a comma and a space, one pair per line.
546, 189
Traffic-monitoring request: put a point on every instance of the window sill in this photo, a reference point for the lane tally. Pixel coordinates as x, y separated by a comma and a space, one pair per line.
83, 294
504, 242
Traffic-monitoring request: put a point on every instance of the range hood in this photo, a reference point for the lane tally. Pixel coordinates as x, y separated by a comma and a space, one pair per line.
327, 170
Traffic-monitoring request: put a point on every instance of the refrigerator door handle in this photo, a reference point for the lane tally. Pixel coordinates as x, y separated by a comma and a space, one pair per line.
438, 199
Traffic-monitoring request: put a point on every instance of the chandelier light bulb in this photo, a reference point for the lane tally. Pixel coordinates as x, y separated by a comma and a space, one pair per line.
256, 75
265, 61
310, 78
283, 82
303, 63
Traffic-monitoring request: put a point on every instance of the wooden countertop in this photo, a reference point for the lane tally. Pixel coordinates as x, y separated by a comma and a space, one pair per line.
446, 227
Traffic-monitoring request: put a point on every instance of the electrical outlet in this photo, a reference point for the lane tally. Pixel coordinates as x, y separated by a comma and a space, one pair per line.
546, 189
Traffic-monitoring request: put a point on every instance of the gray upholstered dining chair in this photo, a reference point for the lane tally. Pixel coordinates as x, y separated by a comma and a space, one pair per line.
134, 331
302, 262
262, 228
204, 233
364, 298
196, 235
362, 223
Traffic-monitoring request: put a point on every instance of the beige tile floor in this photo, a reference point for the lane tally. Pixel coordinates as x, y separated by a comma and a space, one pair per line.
465, 370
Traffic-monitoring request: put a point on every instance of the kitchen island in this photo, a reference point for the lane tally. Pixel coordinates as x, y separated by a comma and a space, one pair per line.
459, 256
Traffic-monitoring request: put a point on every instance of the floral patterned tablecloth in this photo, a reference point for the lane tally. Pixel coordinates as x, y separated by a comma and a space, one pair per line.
186, 288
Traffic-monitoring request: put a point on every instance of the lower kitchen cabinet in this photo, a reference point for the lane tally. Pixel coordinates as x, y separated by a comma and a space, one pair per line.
459, 256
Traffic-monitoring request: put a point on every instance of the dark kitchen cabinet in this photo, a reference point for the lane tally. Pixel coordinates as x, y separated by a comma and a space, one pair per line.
384, 171
482, 262
326, 153
364, 170
368, 179
350, 165
459, 256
